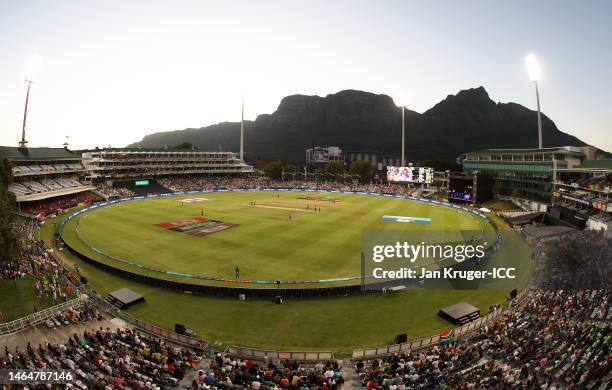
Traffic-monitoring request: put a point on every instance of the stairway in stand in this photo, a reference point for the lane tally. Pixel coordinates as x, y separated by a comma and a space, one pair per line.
351, 379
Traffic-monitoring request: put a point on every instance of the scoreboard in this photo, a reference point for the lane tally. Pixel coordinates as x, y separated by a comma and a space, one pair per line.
410, 175
144, 182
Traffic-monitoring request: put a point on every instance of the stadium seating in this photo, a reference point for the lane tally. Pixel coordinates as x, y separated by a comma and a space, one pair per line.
36, 186
51, 205
43, 185
19, 189
51, 184
152, 188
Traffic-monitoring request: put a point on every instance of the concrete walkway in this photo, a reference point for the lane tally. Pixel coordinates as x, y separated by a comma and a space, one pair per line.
351, 379
187, 379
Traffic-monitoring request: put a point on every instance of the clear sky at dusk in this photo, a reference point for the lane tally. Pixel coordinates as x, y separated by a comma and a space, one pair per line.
113, 71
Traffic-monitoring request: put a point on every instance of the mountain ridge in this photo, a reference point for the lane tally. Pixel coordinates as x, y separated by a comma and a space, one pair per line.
364, 121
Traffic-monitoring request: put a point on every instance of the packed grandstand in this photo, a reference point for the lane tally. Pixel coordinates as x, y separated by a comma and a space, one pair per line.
545, 337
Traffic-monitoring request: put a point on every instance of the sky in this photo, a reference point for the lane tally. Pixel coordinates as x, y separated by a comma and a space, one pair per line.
114, 71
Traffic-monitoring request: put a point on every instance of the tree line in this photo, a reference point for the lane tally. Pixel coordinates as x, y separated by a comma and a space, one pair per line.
359, 170
8, 240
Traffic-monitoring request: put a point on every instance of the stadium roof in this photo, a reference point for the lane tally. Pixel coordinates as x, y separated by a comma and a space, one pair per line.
591, 166
38, 154
558, 149
136, 150
152, 150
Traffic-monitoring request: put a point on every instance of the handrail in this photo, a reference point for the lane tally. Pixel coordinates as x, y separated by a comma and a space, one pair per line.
40, 316
262, 354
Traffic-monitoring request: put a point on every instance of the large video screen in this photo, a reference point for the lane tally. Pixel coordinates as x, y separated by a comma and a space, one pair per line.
410, 175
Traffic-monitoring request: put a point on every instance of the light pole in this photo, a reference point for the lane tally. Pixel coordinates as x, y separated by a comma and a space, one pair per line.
403, 137
535, 73
23, 143
32, 67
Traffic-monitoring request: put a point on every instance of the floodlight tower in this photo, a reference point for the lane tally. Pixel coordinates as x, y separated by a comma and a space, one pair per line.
535, 73
32, 66
403, 136
23, 143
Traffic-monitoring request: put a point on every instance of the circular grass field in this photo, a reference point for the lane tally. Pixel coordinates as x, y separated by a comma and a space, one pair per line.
338, 324
288, 236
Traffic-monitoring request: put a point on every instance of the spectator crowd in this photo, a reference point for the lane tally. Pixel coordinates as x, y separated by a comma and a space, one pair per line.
226, 372
108, 359
32, 261
115, 192
555, 339
217, 182
45, 207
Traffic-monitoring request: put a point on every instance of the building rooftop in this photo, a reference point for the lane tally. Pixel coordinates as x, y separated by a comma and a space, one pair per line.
559, 149
151, 150
38, 154
596, 164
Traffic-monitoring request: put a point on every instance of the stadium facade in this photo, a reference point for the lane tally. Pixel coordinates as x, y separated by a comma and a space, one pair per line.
43, 173
129, 163
523, 173
61, 178
583, 195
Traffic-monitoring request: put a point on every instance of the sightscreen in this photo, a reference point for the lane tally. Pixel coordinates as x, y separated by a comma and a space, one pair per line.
410, 174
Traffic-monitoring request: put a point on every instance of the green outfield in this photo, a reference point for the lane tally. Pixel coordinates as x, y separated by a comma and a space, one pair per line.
271, 235
266, 244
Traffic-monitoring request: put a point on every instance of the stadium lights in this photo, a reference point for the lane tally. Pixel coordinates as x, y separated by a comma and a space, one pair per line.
535, 74
33, 66
533, 68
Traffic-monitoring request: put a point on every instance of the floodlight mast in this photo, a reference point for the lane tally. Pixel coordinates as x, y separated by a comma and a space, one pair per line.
540, 141
23, 143
403, 137
535, 73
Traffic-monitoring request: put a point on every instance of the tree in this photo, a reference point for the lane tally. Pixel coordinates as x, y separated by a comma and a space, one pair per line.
334, 168
8, 240
320, 173
363, 169
274, 169
185, 146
